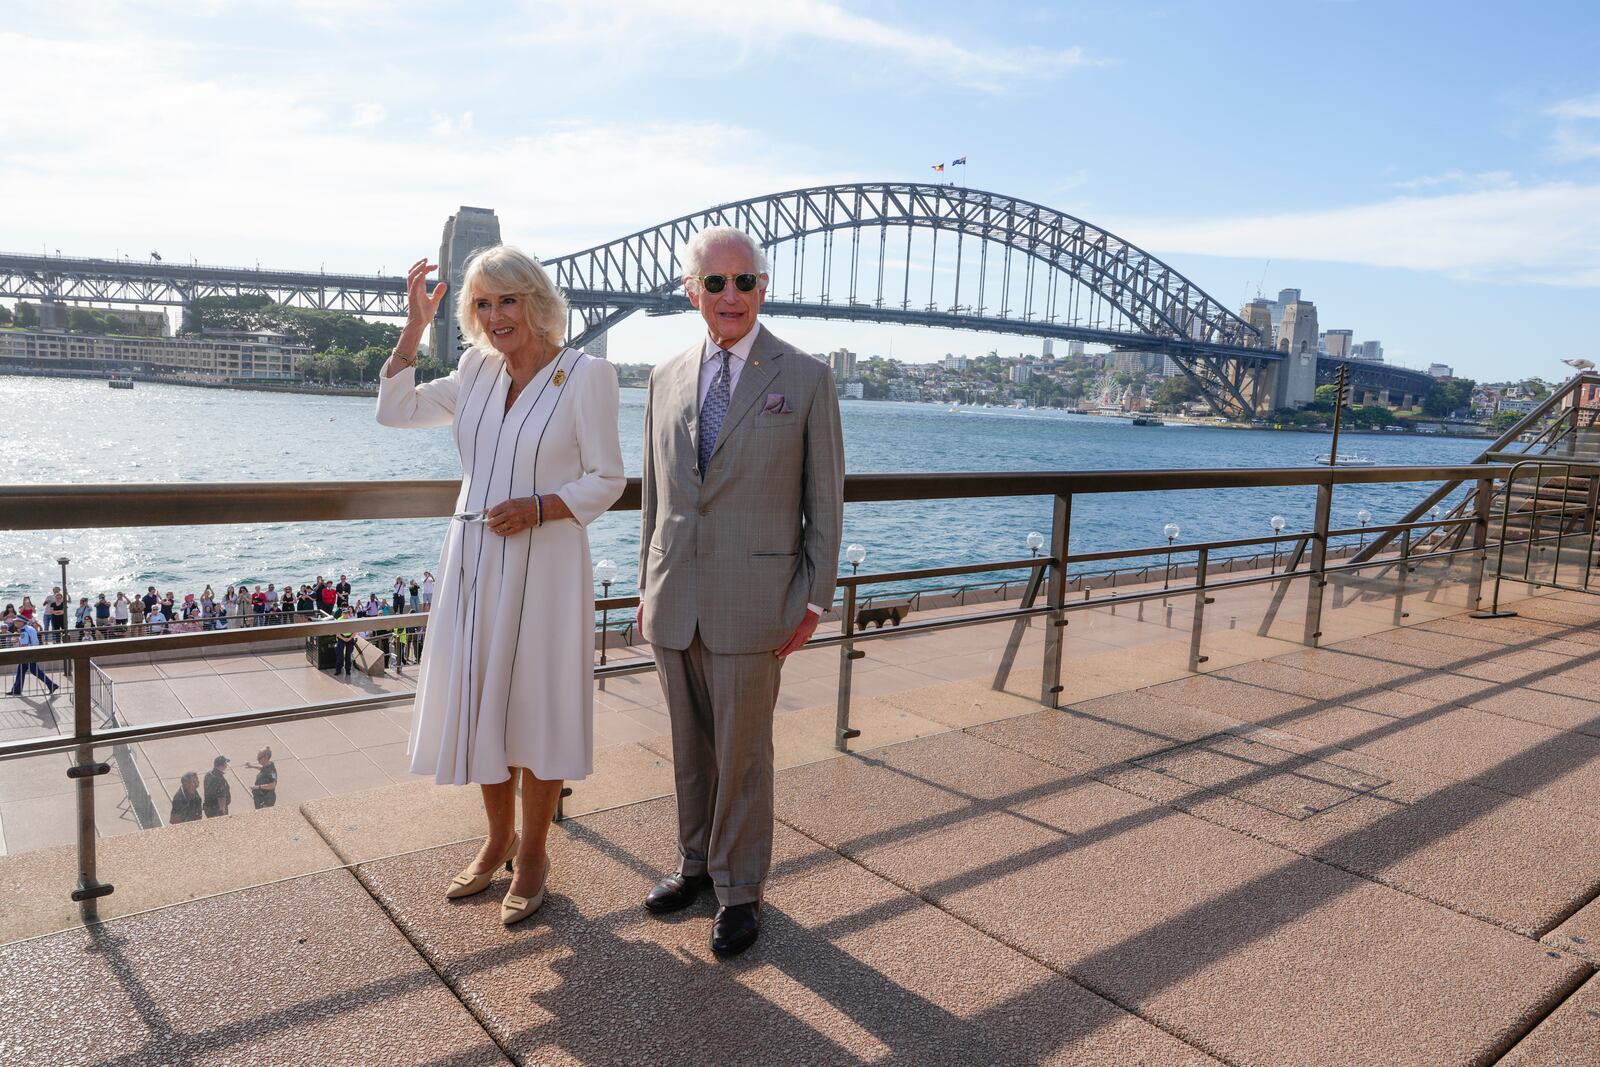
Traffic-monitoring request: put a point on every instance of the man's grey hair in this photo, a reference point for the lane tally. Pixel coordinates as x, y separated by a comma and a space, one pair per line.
694, 252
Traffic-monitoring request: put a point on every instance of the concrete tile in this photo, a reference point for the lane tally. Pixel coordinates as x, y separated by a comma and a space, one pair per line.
1580, 934
1568, 1037
613, 727
1550, 709
148, 702
1107, 729
962, 704
206, 694
184, 668
239, 664
1363, 669
39, 822
623, 774
263, 690
1234, 945
848, 968
173, 757
309, 738
166, 987
393, 760
160, 867
34, 776
132, 672
404, 817
343, 772
367, 729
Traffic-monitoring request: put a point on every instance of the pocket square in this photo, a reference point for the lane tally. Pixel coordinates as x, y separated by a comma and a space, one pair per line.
776, 404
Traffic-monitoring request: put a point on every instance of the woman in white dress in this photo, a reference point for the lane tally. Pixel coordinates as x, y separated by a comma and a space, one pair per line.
506, 684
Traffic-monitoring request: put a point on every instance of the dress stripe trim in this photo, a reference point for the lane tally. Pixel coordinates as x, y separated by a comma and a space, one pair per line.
473, 710
528, 565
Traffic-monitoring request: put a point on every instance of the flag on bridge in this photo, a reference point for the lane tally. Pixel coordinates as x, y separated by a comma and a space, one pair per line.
938, 166
960, 162
156, 256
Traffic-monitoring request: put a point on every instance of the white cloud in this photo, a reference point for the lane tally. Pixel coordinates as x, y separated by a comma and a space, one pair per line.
131, 146
1579, 107
762, 28
1547, 234
1490, 179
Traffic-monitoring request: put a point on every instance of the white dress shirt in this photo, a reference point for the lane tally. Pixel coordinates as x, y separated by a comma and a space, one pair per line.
710, 362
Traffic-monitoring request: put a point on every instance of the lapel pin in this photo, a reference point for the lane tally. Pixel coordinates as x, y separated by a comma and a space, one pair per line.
755, 363
560, 378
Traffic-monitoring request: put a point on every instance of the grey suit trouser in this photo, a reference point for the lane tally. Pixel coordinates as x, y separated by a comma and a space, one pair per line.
721, 710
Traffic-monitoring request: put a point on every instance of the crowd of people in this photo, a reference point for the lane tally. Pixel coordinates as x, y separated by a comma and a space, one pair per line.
242, 605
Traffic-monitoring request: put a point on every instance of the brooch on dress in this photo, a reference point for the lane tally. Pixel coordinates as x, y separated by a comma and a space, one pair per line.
561, 377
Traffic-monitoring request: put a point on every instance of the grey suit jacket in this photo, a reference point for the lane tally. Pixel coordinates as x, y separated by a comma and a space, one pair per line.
740, 554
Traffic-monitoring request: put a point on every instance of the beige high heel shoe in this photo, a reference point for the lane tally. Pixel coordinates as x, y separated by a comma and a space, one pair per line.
513, 909
465, 885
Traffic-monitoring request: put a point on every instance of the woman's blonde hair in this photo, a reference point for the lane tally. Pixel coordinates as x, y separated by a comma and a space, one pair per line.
506, 271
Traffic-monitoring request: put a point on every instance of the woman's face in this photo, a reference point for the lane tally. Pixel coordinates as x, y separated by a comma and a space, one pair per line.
503, 319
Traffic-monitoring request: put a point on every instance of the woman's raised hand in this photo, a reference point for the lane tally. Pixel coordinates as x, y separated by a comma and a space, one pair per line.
421, 306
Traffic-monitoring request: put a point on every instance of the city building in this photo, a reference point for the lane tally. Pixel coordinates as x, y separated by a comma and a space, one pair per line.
1371, 351
1338, 343
842, 362
1021, 373
904, 389
217, 357
1047, 350
1279, 306
1074, 349
465, 232
955, 363
1440, 370
853, 390
1520, 405
1139, 363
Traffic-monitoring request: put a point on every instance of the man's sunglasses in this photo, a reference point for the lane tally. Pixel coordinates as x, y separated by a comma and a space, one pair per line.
714, 283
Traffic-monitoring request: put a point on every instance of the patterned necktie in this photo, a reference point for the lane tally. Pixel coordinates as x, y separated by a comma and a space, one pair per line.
712, 411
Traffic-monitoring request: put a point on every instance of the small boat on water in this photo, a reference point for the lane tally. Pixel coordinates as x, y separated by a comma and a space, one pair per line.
1147, 420
1351, 460
120, 383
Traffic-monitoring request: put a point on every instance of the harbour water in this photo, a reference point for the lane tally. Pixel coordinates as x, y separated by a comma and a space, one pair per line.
81, 431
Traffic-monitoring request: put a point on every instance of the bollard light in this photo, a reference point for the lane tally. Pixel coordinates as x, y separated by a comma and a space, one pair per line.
1172, 531
1363, 516
1035, 542
606, 572
1278, 522
855, 555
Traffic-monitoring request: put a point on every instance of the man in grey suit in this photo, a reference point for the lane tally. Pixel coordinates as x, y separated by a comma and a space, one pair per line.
742, 509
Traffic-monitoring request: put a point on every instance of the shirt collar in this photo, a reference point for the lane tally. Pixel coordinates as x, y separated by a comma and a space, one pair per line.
740, 350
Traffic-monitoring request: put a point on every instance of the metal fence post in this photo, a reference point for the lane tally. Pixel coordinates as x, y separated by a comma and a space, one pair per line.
1401, 574
842, 733
84, 772
1319, 564
1200, 602
1055, 631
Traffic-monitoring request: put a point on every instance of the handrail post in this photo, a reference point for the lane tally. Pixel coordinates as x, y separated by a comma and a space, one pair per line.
1402, 573
1483, 505
90, 889
1200, 602
1494, 611
1319, 563
842, 732
1055, 632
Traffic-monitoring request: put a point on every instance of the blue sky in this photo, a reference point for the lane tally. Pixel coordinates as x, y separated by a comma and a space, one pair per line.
1428, 173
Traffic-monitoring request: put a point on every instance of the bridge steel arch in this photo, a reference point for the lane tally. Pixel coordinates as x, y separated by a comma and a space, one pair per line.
1135, 301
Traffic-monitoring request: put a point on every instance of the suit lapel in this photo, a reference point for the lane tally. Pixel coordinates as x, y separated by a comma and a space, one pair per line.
684, 398
759, 370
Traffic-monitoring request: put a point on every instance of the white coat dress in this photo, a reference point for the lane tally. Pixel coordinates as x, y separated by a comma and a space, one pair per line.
508, 667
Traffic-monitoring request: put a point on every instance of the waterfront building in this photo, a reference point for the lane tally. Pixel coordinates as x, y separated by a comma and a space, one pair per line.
218, 357
1338, 343
853, 390
904, 389
465, 232
955, 363
1519, 404
1021, 373
1139, 363
1441, 370
129, 322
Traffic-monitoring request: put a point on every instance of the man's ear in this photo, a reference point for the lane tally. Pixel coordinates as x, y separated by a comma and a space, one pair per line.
692, 291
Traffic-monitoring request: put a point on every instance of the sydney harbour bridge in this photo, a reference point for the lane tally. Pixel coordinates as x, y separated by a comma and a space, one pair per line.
903, 253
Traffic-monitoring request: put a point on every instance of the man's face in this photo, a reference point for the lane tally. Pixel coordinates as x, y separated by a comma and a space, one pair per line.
730, 314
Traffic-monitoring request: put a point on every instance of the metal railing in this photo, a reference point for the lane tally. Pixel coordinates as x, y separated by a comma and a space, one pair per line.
1045, 596
1549, 500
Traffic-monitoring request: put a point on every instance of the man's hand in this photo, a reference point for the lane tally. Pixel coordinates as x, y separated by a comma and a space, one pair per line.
801, 635
638, 621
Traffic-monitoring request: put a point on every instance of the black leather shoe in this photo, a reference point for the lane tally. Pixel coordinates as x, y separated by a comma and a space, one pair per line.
735, 928
676, 892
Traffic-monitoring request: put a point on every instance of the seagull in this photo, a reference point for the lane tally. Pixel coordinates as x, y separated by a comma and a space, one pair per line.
1580, 364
